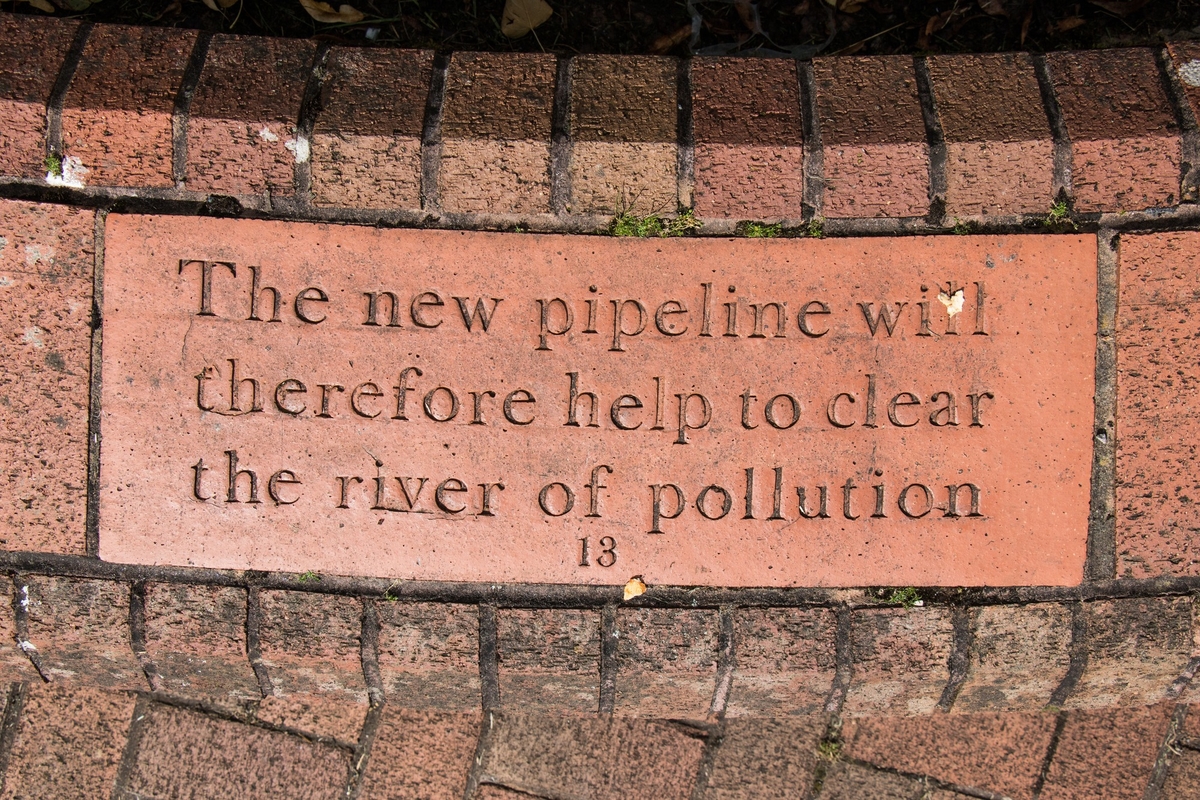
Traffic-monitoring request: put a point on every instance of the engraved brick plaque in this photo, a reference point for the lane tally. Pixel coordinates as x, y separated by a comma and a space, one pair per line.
552, 409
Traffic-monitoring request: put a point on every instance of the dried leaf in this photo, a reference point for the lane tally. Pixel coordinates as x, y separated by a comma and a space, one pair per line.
994, 8
220, 5
634, 588
1068, 24
522, 16
1121, 8
935, 24
42, 5
664, 43
846, 6
323, 12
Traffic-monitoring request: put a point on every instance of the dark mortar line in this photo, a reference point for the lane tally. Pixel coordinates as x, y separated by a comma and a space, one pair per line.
477, 773
1166, 750
133, 743
1078, 655
91, 525
58, 94
1189, 130
489, 668
20, 604
560, 138
248, 717
14, 702
935, 140
960, 656
843, 665
685, 151
310, 107
1063, 185
181, 111
1060, 722
362, 753
927, 781
608, 659
708, 757
1100, 563
431, 133
726, 663
813, 157
137, 634
253, 642
369, 641
1181, 683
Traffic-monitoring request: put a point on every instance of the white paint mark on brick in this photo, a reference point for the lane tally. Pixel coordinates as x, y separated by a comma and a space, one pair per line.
34, 254
3, 243
953, 303
33, 336
72, 174
1189, 73
25, 597
266, 135
298, 146
5, 281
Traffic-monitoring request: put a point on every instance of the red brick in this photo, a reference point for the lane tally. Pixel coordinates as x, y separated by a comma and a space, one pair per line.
666, 662
492, 792
999, 152
785, 661
116, 117
424, 754
185, 754
748, 142
853, 782
46, 261
244, 115
872, 137
549, 658
429, 655
366, 144
68, 742
900, 660
1125, 142
1018, 656
33, 53
332, 717
196, 637
763, 759
80, 628
1185, 58
1183, 781
312, 643
1107, 754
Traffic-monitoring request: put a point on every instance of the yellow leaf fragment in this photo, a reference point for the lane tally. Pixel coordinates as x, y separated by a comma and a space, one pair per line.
323, 12
522, 16
634, 588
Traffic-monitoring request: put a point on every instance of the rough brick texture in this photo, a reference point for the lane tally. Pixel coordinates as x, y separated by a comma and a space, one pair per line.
549, 659
312, 642
765, 759
1018, 656
421, 754
429, 655
34, 50
666, 662
785, 661
46, 261
899, 660
366, 143
1107, 754
1183, 781
316, 715
748, 143
851, 782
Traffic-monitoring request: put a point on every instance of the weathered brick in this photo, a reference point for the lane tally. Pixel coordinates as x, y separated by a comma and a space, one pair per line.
366, 144
196, 637
1183, 780
490, 791
623, 123
33, 53
748, 138
14, 664
872, 137
46, 262
1107, 754
666, 662
241, 137
1018, 655
334, 717
762, 759
549, 658
1125, 143
999, 151
116, 116
853, 782
423, 754
80, 628
900, 660
312, 642
785, 661
429, 655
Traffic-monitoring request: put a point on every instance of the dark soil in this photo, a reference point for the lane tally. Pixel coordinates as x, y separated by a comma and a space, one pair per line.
677, 27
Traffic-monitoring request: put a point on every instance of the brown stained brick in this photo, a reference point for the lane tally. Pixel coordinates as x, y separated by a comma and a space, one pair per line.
748, 143
311, 643
333, 717
1125, 142
366, 145
429, 655
1018, 656
999, 151
495, 176
244, 115
46, 261
34, 50
666, 662
80, 628
68, 742
1002, 753
1185, 56
182, 753
594, 756
785, 661
549, 658
1136, 649
900, 660
499, 96
853, 782
1183, 781
116, 117
765, 759
872, 137
196, 637
424, 754
1107, 754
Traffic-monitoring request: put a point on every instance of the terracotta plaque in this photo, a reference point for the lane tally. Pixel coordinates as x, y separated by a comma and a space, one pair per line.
552, 409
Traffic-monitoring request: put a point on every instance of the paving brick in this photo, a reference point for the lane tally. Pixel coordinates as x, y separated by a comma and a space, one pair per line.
424, 754
765, 759
1107, 754
1185, 57
872, 137
853, 782
312, 643
999, 151
14, 664
1002, 753
549, 658
1018, 656
183, 753
1183, 780
1157, 488
80, 628
593, 756
46, 260
493, 792
243, 116
34, 50
623, 123
366, 144
496, 133
900, 660
332, 717
784, 663
116, 116
196, 637
666, 662
429, 655
746, 128
1125, 143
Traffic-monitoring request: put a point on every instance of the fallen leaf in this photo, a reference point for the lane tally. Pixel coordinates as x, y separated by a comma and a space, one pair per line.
994, 8
1121, 7
846, 6
1068, 24
634, 588
522, 16
42, 5
218, 5
935, 24
664, 43
323, 12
